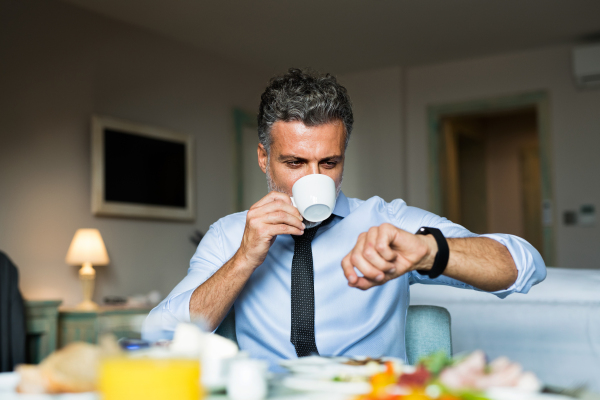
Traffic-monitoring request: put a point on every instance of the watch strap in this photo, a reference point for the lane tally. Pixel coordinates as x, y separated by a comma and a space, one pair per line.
441, 258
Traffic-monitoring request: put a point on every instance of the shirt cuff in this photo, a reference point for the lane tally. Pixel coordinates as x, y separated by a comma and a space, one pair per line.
530, 265
179, 305
163, 319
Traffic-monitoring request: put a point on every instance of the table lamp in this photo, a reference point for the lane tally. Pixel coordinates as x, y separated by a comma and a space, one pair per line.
87, 248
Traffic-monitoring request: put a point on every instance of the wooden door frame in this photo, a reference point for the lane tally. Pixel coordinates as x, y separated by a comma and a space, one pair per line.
540, 100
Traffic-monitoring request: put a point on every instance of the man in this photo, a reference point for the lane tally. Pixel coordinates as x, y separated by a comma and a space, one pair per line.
294, 296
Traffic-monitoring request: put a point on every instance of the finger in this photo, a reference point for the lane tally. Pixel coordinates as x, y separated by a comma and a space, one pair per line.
359, 262
366, 268
364, 284
385, 236
349, 271
371, 254
283, 229
281, 217
401, 241
278, 205
410, 249
273, 196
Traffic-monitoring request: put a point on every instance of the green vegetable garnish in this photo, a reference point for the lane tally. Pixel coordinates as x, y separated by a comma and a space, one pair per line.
436, 362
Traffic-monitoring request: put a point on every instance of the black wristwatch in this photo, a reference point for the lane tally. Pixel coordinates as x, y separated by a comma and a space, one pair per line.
441, 258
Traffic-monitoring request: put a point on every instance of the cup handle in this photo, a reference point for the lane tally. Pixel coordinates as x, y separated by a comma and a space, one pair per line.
293, 202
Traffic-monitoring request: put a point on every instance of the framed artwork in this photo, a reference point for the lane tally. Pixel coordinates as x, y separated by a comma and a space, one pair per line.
141, 171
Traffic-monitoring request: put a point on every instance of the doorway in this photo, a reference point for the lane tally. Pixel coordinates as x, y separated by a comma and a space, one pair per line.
490, 173
490, 167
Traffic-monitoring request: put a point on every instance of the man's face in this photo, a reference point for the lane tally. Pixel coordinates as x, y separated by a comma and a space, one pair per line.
298, 150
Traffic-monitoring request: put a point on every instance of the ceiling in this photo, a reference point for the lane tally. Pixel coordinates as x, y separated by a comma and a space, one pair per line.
349, 35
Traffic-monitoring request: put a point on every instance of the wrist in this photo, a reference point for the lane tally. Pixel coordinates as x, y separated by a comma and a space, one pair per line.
242, 262
432, 249
442, 254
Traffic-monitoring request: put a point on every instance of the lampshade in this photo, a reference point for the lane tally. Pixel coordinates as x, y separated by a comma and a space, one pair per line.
87, 246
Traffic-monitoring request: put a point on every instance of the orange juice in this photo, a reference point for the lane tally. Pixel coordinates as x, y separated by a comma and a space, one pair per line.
124, 378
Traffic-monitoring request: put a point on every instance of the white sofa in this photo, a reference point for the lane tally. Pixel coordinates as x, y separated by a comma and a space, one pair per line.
554, 330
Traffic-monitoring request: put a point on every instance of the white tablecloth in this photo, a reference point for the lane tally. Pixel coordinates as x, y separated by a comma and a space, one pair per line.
553, 331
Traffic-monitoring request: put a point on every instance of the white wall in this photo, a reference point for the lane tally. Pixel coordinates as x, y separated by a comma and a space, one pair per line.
374, 160
575, 131
60, 64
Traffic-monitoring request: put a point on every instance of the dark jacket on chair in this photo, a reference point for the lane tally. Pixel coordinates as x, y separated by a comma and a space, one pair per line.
12, 317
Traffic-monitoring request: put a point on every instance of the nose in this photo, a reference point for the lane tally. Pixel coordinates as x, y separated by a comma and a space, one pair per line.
314, 168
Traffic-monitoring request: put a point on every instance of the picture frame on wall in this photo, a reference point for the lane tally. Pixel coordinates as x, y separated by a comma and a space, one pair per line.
141, 171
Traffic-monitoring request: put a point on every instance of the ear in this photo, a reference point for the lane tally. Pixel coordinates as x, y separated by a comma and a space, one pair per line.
262, 157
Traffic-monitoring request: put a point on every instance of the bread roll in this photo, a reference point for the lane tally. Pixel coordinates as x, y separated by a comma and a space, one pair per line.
72, 369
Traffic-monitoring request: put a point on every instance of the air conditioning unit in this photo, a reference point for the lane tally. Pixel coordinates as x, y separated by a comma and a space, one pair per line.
586, 65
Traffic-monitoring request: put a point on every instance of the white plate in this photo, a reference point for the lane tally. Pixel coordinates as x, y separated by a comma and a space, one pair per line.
516, 394
312, 396
305, 384
325, 367
9, 381
67, 396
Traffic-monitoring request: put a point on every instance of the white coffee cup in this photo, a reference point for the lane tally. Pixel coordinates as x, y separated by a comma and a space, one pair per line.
314, 197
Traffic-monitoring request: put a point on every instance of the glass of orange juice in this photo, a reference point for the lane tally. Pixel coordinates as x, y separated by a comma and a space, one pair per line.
127, 378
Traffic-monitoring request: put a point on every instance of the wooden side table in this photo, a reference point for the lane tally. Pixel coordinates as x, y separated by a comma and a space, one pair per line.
87, 326
41, 324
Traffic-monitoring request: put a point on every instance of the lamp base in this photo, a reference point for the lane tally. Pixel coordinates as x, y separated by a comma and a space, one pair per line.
87, 276
87, 305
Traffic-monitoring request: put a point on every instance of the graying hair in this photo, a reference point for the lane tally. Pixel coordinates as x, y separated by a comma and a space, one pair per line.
306, 96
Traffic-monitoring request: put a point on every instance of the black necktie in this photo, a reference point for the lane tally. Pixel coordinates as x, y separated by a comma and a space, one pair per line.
303, 293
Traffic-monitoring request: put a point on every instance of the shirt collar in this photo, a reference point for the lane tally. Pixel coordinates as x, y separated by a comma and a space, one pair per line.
342, 207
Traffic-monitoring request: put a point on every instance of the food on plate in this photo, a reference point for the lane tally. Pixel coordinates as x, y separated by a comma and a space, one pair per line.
473, 373
365, 361
381, 381
440, 377
417, 378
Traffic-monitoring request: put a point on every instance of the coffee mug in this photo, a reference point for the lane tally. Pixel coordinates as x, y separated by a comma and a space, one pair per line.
314, 196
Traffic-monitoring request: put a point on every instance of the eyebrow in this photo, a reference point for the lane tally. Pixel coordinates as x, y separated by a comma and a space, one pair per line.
286, 157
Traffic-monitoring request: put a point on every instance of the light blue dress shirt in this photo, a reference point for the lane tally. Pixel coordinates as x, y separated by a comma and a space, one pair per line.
348, 321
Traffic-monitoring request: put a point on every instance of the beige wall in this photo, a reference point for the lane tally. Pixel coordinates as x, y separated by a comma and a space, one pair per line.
59, 65
374, 159
575, 124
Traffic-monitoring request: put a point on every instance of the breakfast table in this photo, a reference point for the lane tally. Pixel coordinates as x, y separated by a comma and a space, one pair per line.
277, 391
199, 365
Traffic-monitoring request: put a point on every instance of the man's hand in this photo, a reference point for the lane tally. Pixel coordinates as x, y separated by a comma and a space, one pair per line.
386, 252
272, 215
